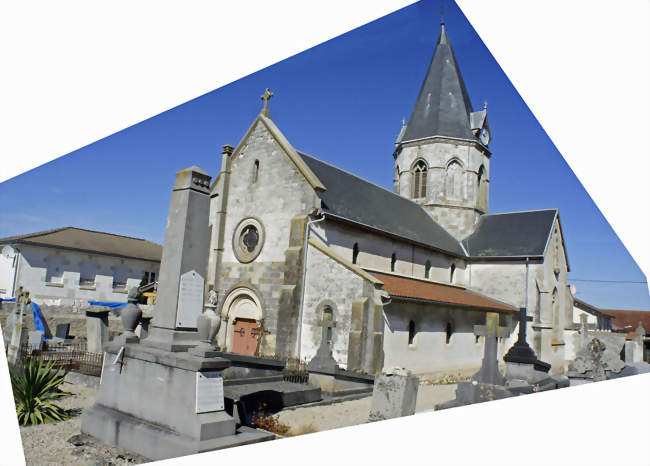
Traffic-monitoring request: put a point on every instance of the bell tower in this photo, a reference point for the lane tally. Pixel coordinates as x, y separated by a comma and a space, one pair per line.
442, 160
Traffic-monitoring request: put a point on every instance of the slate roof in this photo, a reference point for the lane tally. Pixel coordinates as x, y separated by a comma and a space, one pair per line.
91, 241
412, 288
511, 234
443, 106
360, 201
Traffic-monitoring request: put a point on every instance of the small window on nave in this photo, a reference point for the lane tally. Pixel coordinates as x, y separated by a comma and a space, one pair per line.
452, 272
411, 332
427, 269
393, 261
449, 332
420, 180
355, 253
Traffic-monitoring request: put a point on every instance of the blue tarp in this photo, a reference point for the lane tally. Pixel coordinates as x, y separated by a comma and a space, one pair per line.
8, 300
38, 319
107, 304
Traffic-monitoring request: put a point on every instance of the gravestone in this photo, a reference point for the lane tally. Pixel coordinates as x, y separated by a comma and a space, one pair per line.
62, 331
394, 395
598, 358
491, 331
488, 383
521, 361
324, 360
97, 330
13, 352
634, 345
156, 398
10, 323
35, 341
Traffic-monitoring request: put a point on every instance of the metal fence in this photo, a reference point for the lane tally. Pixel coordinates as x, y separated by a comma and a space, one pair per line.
70, 356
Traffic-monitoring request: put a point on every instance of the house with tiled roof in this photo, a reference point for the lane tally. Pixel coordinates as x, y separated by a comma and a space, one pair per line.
69, 266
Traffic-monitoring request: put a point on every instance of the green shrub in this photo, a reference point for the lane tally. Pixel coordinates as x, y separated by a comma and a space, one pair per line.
35, 387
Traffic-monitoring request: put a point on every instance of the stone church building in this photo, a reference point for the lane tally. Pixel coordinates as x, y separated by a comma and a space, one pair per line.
313, 262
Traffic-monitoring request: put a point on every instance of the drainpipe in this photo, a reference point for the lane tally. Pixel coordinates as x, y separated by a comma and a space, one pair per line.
304, 275
526, 292
226, 162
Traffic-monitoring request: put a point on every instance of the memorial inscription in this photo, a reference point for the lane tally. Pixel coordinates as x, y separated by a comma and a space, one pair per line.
190, 299
209, 392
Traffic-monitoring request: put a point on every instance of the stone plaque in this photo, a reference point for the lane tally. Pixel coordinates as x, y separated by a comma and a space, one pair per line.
209, 392
190, 299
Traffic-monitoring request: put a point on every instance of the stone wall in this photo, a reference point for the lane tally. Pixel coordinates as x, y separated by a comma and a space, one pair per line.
328, 283
276, 194
430, 353
55, 315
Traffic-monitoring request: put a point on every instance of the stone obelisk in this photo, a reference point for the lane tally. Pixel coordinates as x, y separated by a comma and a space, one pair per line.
179, 300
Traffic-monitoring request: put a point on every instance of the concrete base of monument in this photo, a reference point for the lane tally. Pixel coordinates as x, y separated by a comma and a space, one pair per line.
163, 404
157, 442
525, 372
173, 340
468, 393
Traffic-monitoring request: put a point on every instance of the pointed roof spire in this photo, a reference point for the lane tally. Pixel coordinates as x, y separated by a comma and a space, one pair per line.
443, 107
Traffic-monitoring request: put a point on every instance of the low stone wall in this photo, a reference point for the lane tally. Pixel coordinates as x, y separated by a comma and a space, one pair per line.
55, 315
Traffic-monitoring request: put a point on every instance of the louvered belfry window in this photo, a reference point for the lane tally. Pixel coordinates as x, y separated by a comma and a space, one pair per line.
420, 180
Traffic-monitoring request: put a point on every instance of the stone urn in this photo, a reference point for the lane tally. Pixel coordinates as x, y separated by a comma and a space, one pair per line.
131, 315
207, 325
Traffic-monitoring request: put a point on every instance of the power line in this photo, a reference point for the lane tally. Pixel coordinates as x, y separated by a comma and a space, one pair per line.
604, 281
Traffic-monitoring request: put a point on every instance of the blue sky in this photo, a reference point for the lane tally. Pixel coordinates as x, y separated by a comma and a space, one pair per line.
342, 102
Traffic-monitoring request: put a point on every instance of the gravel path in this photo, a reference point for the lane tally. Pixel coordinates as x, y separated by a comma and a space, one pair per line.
349, 413
48, 444
62, 443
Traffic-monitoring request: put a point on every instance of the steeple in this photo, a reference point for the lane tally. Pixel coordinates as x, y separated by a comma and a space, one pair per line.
443, 107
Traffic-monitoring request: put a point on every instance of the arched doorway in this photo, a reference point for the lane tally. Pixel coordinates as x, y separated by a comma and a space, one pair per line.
242, 313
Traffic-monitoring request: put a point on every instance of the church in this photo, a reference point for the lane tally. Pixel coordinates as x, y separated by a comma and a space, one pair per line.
309, 261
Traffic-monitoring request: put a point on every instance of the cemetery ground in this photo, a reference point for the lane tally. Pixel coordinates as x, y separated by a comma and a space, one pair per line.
61, 442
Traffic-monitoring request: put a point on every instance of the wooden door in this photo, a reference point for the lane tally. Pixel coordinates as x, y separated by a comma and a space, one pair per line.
245, 337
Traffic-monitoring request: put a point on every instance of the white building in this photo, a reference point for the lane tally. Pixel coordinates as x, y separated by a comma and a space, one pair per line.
70, 266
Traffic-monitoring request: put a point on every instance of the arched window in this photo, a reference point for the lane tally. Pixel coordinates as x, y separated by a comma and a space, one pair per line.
479, 177
427, 269
449, 332
420, 180
452, 271
328, 320
393, 261
256, 171
355, 253
411, 332
454, 181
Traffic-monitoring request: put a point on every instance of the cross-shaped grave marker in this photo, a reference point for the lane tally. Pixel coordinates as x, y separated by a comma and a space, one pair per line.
521, 352
489, 372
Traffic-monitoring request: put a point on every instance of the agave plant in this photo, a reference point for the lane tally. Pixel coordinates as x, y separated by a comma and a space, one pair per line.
35, 387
